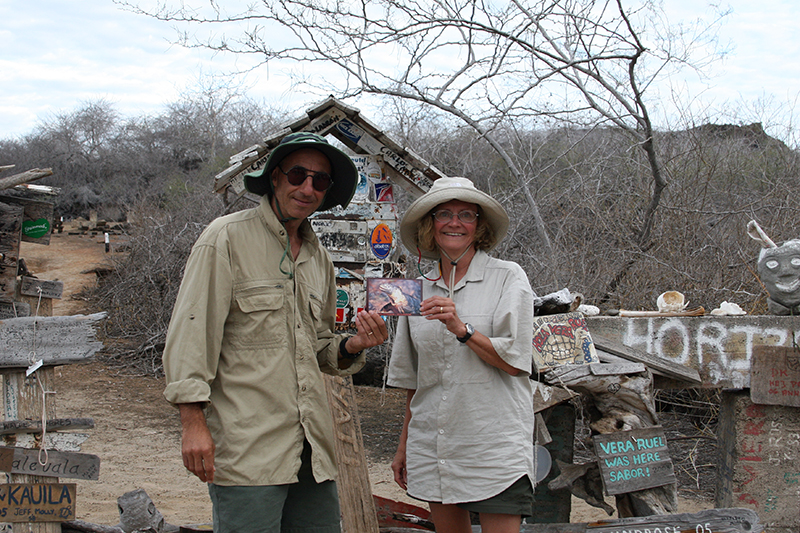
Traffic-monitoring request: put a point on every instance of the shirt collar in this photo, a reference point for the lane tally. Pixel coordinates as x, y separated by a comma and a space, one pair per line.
276, 228
475, 271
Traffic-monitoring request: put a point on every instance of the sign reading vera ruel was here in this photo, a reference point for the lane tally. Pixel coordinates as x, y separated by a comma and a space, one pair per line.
37, 502
634, 460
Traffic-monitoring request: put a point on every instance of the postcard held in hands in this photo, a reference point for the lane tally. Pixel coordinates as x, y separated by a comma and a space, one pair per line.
394, 296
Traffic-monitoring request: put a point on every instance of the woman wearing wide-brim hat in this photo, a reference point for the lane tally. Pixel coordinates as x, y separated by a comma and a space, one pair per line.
467, 439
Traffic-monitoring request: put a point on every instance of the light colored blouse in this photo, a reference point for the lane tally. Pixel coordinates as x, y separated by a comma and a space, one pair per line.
471, 431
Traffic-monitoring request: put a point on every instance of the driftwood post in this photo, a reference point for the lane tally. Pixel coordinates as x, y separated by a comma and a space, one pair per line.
355, 493
622, 394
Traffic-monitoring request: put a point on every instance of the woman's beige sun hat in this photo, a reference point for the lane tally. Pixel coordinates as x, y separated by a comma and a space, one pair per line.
444, 190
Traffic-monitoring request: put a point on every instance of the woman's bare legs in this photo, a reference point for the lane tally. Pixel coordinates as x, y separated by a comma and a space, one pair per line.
450, 518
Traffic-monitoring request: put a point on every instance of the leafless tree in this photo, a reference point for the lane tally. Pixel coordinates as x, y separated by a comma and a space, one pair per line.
495, 66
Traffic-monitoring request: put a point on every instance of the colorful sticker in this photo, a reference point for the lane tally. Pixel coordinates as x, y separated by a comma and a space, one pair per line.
381, 241
350, 130
342, 298
35, 229
340, 314
384, 193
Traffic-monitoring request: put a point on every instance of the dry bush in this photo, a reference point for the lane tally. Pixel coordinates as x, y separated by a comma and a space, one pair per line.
140, 292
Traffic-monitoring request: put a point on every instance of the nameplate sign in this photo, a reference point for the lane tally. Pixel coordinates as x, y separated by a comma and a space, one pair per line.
58, 464
40, 287
775, 376
634, 460
734, 520
37, 502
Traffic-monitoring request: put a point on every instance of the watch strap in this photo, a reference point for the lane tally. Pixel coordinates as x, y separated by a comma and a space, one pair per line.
470, 332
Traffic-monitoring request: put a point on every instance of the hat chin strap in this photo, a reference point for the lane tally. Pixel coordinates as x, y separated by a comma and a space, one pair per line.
453, 263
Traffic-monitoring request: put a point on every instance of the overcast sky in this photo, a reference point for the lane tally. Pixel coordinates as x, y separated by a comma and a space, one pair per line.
56, 55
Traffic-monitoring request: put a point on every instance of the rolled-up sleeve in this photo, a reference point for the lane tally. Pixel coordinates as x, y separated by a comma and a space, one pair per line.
512, 335
194, 339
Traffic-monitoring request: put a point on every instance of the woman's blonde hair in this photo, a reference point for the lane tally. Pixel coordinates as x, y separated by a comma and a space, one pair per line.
484, 234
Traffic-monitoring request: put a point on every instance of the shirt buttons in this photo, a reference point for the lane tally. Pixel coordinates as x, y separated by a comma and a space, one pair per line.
444, 397
442, 461
303, 388
441, 432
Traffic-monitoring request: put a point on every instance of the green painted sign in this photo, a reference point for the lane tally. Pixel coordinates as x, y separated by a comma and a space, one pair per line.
36, 229
342, 298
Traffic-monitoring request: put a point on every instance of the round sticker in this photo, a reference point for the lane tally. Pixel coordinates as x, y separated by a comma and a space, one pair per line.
342, 298
381, 241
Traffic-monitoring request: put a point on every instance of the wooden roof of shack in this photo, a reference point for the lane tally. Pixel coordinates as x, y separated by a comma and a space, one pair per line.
345, 123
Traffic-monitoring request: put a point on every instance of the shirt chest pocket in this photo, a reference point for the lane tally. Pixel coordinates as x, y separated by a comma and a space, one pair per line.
261, 317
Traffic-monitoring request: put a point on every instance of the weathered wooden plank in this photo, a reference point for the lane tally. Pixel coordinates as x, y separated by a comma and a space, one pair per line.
719, 348
71, 465
56, 340
732, 520
666, 367
759, 460
87, 527
37, 502
613, 369
14, 310
25, 177
36, 287
65, 442
8, 427
10, 236
355, 493
775, 376
634, 460
545, 396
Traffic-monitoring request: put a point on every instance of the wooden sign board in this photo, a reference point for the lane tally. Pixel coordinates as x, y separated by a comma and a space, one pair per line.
634, 460
10, 235
59, 339
14, 310
59, 464
37, 219
719, 348
759, 462
733, 520
345, 240
36, 287
37, 502
562, 339
775, 376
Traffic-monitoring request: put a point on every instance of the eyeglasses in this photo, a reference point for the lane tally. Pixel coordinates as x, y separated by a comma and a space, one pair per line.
321, 181
443, 215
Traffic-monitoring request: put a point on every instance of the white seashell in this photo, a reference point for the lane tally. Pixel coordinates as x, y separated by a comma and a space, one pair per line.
728, 308
671, 301
588, 310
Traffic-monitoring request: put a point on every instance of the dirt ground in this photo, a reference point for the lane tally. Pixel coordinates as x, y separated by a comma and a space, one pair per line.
137, 434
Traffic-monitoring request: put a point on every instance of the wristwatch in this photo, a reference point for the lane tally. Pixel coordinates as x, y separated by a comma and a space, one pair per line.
470, 333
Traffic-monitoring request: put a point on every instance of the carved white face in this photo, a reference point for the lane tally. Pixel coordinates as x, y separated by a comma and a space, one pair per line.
779, 269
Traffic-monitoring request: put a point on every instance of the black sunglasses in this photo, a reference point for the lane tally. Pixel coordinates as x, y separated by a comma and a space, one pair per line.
321, 181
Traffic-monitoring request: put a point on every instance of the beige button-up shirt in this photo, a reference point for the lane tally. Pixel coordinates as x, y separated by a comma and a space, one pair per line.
249, 341
471, 431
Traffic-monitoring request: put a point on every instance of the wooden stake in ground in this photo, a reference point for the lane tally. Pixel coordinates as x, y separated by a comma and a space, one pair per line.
355, 492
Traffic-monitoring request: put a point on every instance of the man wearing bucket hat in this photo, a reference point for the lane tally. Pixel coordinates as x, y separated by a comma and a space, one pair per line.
252, 327
467, 438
